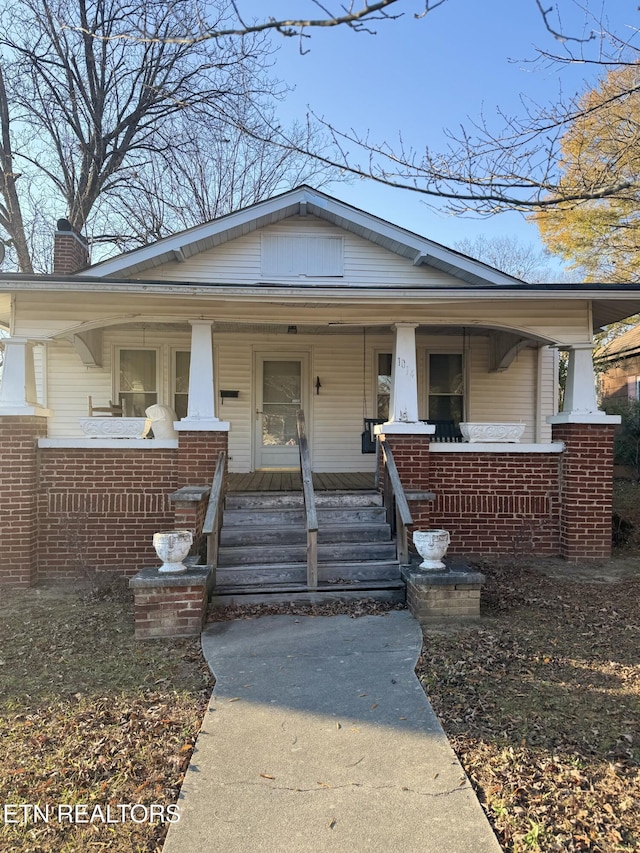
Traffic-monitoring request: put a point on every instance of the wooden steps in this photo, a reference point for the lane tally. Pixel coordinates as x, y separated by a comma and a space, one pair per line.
262, 554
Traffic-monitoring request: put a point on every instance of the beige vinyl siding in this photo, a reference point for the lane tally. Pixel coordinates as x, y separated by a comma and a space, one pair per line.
338, 408
40, 370
335, 415
69, 384
502, 396
365, 263
234, 372
41, 315
548, 392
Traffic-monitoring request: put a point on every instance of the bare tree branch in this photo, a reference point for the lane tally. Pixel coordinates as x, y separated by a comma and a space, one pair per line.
93, 120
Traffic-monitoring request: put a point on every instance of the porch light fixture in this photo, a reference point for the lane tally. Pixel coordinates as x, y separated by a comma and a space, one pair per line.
318, 385
292, 330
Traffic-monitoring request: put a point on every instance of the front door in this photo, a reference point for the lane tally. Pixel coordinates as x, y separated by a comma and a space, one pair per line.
281, 384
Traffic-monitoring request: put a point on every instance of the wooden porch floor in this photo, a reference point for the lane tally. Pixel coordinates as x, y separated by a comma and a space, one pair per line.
289, 481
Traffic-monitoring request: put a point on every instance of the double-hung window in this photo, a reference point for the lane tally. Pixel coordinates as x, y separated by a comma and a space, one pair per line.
137, 380
446, 387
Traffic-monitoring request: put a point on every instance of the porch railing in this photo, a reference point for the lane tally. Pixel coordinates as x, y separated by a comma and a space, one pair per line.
213, 517
392, 488
311, 517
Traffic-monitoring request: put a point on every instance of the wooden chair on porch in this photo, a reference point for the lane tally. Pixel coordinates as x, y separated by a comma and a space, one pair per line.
112, 409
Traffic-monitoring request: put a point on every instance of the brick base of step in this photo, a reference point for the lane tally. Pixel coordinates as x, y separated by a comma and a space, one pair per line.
441, 597
170, 605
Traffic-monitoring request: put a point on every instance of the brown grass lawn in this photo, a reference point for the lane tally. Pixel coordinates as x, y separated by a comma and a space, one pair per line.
89, 717
541, 701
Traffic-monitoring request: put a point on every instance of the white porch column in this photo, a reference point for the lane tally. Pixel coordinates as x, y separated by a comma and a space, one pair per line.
580, 404
18, 387
201, 408
403, 402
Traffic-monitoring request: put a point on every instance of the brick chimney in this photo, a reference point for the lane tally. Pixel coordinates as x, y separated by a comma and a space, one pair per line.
70, 250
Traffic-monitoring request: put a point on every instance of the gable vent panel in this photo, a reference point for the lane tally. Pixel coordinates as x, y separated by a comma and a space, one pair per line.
302, 255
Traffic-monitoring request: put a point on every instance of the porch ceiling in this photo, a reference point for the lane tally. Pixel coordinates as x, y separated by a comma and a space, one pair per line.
610, 312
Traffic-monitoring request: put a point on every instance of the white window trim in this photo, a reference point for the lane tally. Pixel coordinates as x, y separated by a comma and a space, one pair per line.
171, 390
378, 351
446, 350
115, 378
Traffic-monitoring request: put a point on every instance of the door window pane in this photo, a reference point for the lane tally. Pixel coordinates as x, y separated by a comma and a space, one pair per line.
446, 387
281, 399
137, 381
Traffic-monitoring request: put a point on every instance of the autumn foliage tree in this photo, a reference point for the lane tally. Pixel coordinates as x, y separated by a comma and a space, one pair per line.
602, 144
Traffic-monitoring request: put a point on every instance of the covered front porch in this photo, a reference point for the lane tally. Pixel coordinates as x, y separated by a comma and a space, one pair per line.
104, 497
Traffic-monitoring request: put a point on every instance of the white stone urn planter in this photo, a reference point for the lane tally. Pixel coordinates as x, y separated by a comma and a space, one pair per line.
115, 427
432, 546
492, 432
172, 546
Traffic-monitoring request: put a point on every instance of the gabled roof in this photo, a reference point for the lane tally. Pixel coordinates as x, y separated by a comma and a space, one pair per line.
301, 200
624, 346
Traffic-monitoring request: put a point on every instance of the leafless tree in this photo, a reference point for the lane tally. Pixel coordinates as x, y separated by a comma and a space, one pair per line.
521, 260
491, 163
87, 117
99, 97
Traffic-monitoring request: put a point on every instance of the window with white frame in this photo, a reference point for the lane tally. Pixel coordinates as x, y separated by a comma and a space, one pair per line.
136, 380
446, 387
181, 363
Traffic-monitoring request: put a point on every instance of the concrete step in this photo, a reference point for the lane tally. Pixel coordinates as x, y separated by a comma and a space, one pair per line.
284, 535
278, 500
296, 573
390, 591
295, 515
238, 555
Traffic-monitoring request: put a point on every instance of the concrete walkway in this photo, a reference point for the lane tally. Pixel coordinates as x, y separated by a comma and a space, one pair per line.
319, 737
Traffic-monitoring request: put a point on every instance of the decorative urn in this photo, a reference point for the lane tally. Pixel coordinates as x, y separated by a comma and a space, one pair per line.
432, 546
172, 546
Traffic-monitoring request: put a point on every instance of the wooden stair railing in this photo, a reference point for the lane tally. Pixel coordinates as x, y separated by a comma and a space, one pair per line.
311, 517
393, 489
213, 517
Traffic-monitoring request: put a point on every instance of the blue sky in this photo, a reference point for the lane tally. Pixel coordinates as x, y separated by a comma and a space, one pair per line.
416, 77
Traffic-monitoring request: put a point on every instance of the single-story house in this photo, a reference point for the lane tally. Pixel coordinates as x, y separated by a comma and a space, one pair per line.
619, 363
299, 302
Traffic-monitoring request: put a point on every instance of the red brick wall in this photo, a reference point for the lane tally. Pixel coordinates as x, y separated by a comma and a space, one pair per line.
586, 490
198, 455
500, 503
169, 612
98, 509
18, 511
190, 515
412, 458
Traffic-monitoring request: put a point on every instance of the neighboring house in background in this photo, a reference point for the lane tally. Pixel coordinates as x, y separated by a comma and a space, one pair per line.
620, 367
300, 301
